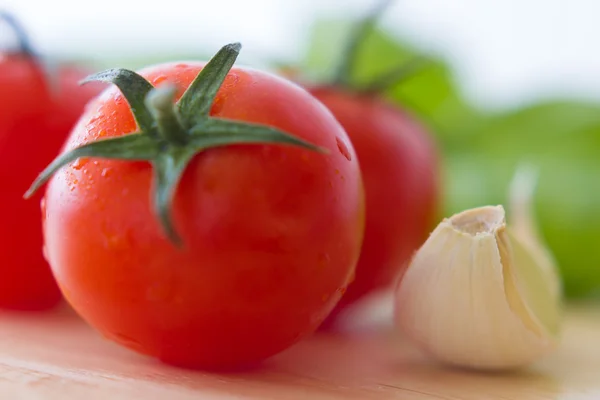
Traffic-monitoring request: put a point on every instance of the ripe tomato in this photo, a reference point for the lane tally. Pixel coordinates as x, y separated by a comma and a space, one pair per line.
271, 233
35, 121
398, 160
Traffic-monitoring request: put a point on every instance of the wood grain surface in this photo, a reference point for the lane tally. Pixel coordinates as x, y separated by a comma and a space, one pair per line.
56, 356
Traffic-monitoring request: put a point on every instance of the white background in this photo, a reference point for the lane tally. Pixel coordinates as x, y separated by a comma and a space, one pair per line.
504, 51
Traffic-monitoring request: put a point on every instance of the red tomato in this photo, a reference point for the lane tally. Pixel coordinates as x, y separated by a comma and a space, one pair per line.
34, 123
399, 165
272, 232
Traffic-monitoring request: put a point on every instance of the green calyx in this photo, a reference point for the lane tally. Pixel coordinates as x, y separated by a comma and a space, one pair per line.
343, 74
171, 133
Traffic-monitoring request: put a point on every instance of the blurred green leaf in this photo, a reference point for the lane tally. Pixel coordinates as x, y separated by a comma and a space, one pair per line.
543, 128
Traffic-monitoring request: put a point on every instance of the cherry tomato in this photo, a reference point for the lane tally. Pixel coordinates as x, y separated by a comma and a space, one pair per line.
35, 120
271, 233
398, 160
399, 164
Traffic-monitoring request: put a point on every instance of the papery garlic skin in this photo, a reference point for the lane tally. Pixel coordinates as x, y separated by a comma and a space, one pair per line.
462, 299
524, 230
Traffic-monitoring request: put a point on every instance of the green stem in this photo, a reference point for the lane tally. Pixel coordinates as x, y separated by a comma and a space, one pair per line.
201, 94
171, 134
343, 75
394, 77
138, 147
135, 89
168, 169
160, 102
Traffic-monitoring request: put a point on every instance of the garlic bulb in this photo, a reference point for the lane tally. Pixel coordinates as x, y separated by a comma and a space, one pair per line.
480, 294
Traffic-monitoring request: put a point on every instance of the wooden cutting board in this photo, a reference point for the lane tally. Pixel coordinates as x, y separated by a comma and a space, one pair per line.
56, 356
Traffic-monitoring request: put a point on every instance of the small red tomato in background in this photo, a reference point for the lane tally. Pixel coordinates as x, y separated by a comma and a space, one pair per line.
263, 231
399, 164
37, 112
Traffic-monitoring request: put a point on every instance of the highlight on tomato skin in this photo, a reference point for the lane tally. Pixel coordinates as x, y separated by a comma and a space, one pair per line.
216, 218
39, 108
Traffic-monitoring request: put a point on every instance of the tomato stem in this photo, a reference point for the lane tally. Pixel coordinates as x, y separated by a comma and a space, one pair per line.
394, 77
342, 76
168, 169
160, 102
23, 43
197, 100
24, 48
171, 134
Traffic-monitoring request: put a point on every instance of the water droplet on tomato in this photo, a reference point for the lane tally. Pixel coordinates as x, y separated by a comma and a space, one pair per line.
342, 290
70, 179
343, 148
159, 79
116, 240
106, 172
80, 163
94, 123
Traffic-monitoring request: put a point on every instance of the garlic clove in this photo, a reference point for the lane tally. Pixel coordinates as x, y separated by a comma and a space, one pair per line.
478, 294
524, 230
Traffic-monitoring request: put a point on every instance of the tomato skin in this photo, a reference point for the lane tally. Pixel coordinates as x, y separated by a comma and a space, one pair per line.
34, 123
399, 163
272, 233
